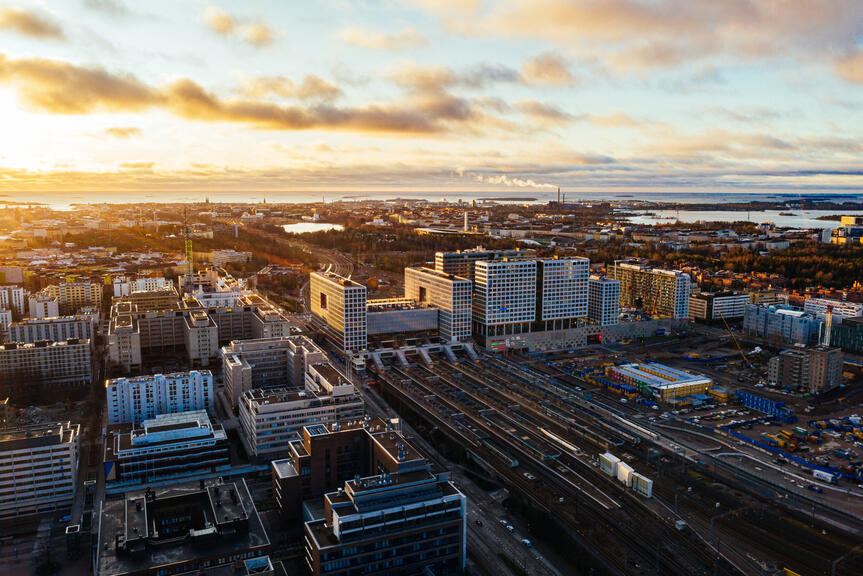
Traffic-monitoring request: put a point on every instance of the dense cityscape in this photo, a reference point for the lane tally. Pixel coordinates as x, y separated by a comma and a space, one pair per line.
431, 288
542, 388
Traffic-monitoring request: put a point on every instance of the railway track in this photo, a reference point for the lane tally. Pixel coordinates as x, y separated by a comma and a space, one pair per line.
565, 485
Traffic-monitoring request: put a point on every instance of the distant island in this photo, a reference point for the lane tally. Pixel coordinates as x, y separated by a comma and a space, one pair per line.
830, 217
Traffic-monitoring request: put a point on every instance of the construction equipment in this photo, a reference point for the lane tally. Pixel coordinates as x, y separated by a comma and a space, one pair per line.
736, 343
188, 268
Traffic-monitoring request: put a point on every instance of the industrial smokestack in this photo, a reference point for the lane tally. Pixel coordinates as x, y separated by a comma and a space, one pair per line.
465, 220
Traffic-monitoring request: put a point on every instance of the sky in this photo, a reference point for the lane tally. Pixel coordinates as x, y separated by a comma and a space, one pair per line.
157, 99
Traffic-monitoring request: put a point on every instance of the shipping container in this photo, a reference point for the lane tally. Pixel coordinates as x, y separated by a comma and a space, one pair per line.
608, 463
624, 473
642, 485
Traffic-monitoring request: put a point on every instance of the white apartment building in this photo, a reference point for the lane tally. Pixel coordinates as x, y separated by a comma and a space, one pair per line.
5, 321
711, 306
222, 257
603, 301
45, 366
339, 304
124, 286
271, 418
450, 294
54, 329
38, 468
819, 307
562, 290
202, 338
504, 296
267, 363
142, 398
13, 298
43, 306
74, 295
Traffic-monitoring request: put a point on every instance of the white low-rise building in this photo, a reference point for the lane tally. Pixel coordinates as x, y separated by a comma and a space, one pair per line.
137, 399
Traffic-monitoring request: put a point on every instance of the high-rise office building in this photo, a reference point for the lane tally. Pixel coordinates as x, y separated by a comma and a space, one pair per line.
562, 292
462, 263
137, 399
659, 292
450, 294
339, 305
504, 301
38, 468
603, 301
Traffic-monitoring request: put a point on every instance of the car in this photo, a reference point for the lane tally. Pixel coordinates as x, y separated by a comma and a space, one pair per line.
503, 522
479, 522
526, 542
814, 488
529, 476
511, 528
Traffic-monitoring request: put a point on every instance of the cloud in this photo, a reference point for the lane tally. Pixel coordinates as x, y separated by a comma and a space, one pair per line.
311, 88
63, 88
412, 76
850, 67
407, 38
29, 24
137, 166
641, 36
123, 131
257, 34
112, 7
547, 69
221, 22
541, 112
613, 120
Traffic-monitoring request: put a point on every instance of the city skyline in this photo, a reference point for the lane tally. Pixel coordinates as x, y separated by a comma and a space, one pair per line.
104, 99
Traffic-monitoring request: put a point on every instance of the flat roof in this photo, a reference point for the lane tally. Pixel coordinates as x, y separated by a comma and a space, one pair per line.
121, 517
660, 376
438, 274
36, 436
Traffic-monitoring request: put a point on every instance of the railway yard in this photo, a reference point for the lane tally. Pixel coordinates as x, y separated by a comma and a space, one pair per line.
717, 505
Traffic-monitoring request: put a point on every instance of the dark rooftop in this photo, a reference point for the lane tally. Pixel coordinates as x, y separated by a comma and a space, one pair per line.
140, 532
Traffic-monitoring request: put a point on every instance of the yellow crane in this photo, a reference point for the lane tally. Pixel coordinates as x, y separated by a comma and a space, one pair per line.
736, 343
